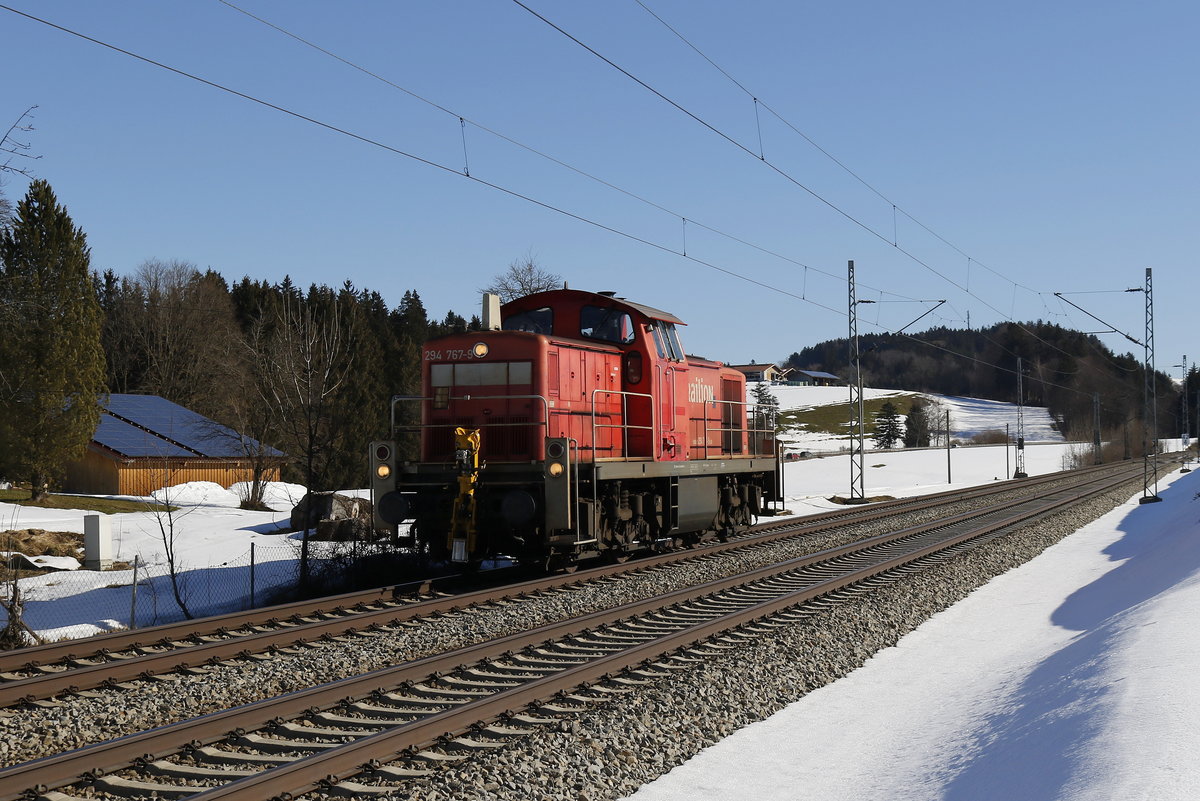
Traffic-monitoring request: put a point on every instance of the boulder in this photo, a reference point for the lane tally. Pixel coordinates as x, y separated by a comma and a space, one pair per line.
333, 515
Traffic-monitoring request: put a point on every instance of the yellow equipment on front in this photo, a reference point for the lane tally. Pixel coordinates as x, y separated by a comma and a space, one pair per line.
462, 521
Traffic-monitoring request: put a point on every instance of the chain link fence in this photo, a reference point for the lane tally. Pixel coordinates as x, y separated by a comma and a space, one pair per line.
70, 604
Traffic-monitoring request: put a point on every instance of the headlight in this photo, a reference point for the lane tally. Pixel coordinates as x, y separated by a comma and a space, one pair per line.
480, 349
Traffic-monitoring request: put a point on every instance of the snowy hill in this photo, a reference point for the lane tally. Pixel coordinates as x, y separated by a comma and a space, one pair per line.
968, 416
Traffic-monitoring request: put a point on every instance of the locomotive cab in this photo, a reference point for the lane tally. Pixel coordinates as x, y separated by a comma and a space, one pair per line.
578, 427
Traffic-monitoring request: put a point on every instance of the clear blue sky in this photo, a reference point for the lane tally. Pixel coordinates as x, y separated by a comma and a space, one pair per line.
1054, 143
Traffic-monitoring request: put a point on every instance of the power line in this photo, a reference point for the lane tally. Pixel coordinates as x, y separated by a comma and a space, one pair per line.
758, 101
758, 157
427, 162
496, 187
466, 120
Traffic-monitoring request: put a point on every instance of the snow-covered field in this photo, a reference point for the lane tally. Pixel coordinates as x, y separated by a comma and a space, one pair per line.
213, 538
968, 416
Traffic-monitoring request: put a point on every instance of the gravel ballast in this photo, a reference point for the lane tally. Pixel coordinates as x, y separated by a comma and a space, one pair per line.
619, 745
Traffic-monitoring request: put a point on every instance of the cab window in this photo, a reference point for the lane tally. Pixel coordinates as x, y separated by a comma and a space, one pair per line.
537, 321
660, 342
673, 342
606, 324
666, 341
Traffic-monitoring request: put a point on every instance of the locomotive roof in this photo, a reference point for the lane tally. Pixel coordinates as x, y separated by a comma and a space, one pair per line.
579, 294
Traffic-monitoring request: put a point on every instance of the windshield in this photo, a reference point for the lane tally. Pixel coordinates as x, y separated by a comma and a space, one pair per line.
538, 321
607, 324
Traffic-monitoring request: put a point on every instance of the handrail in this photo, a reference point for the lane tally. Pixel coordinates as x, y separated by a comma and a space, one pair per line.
751, 444
402, 398
668, 385
624, 426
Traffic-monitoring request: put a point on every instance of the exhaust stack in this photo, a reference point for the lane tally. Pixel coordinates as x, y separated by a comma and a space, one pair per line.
491, 311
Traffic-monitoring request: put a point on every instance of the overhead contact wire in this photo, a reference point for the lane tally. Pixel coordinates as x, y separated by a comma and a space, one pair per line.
542, 154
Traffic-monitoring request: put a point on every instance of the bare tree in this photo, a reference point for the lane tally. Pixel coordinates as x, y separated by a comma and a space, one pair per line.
167, 517
523, 277
181, 325
301, 363
15, 632
12, 151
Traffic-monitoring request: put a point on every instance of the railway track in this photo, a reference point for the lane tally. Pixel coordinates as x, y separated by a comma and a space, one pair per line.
39, 674
442, 708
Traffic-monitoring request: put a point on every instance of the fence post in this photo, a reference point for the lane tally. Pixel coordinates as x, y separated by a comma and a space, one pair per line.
252, 605
133, 595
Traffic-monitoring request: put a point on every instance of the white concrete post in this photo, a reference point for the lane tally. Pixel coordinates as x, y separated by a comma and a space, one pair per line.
97, 543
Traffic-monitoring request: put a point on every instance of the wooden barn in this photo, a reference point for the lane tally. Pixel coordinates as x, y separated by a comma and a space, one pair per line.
762, 372
145, 442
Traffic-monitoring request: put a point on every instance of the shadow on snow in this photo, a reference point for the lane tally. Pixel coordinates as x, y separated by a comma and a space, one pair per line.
1035, 743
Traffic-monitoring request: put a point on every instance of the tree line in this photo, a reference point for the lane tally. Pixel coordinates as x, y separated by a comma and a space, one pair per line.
308, 371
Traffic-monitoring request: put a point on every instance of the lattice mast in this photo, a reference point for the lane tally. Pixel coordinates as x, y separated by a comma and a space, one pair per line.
1150, 414
857, 422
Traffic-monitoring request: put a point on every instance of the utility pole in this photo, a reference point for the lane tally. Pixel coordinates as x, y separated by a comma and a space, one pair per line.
948, 479
1007, 442
1096, 449
857, 422
1020, 471
1150, 412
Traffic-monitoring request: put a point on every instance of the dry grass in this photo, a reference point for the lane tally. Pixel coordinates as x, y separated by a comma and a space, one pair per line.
108, 506
870, 499
39, 542
834, 418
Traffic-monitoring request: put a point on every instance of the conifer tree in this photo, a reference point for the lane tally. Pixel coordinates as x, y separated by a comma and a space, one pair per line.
52, 370
887, 426
917, 425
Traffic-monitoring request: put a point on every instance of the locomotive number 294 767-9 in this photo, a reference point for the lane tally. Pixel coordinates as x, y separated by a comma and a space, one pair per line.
453, 354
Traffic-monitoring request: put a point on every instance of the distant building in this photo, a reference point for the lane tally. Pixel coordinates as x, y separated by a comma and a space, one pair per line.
763, 372
145, 442
813, 378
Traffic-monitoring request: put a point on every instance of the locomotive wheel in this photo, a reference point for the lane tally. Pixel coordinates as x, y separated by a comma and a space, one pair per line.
616, 557
561, 563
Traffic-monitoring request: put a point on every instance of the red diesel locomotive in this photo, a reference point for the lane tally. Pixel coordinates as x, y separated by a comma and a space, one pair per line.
575, 426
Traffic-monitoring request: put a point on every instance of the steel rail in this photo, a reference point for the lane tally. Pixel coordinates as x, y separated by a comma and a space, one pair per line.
106, 757
343, 762
97, 646
81, 676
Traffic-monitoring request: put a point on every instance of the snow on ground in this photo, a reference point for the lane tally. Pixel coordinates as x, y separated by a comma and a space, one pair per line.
213, 539
968, 416
1070, 677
